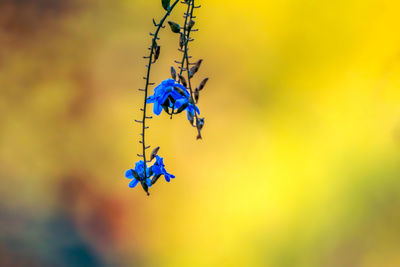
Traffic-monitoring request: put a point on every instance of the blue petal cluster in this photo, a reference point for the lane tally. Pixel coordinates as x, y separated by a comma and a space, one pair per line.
139, 169
156, 170
170, 94
159, 169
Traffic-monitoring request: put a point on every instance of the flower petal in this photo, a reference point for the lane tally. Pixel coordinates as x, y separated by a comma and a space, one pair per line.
133, 183
157, 109
129, 174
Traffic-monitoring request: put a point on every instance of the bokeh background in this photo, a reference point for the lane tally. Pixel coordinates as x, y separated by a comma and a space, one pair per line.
299, 165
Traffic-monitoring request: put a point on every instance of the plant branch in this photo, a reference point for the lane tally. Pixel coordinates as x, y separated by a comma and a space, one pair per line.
189, 15
152, 49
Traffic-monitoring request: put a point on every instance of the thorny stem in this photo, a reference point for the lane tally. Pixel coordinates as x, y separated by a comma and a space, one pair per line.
147, 78
189, 14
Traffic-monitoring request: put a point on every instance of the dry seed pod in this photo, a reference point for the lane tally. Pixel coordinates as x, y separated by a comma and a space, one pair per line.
183, 80
154, 153
157, 52
202, 84
198, 63
190, 24
195, 68
179, 90
173, 73
196, 95
191, 119
181, 41
174, 27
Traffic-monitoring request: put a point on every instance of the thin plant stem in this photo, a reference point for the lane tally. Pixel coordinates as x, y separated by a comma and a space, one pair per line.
189, 14
147, 78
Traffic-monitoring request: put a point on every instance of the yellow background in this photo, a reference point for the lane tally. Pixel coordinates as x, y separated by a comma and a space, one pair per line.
299, 164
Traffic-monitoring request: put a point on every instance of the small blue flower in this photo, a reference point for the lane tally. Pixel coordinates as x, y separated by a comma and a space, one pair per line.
167, 95
159, 169
138, 174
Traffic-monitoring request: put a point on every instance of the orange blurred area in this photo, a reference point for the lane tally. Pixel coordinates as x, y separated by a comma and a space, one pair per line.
299, 162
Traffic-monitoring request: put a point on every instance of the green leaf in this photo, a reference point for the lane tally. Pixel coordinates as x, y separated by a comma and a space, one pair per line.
174, 27
165, 4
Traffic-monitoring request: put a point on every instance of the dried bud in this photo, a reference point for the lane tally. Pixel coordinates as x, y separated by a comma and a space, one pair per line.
200, 123
196, 95
202, 84
173, 73
195, 68
183, 80
198, 64
174, 27
157, 52
190, 24
179, 90
191, 118
154, 153
182, 41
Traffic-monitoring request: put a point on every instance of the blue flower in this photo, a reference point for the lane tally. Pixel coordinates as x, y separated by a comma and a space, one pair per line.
137, 174
159, 169
169, 94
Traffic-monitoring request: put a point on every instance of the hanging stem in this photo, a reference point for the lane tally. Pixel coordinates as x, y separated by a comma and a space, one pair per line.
147, 78
188, 17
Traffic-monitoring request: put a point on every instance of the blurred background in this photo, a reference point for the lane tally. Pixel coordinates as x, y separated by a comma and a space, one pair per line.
299, 164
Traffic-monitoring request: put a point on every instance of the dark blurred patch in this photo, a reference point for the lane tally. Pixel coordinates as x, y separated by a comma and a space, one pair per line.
29, 240
99, 216
22, 18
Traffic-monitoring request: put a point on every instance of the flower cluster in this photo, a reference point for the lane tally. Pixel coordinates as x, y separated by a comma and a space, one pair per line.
172, 95
150, 176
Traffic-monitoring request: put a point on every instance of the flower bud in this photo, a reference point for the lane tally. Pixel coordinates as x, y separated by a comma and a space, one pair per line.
174, 27
179, 90
191, 119
190, 24
200, 123
154, 153
202, 84
183, 80
157, 52
195, 68
182, 40
196, 95
165, 4
173, 73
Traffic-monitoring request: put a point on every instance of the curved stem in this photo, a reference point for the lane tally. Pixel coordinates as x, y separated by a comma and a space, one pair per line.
147, 78
189, 14
186, 35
